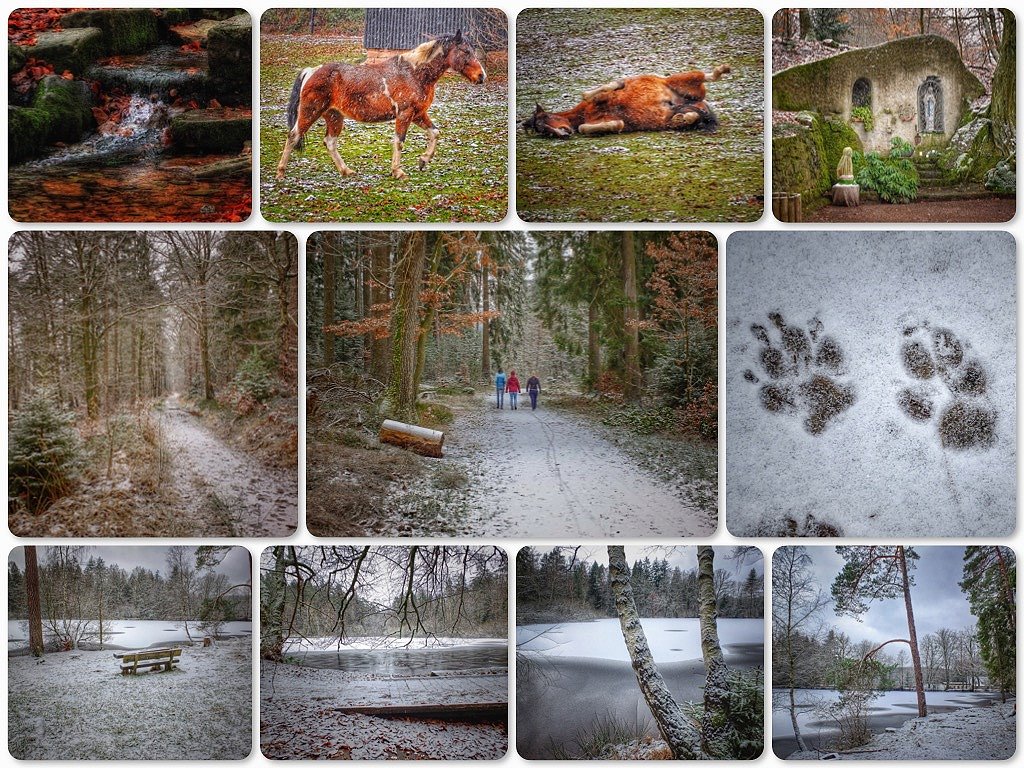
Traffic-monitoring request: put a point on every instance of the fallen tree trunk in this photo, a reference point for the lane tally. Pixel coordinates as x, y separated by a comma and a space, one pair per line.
426, 442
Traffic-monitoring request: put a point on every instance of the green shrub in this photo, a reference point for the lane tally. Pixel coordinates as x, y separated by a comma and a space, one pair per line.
893, 178
864, 115
830, 24
44, 456
900, 147
746, 712
253, 378
435, 414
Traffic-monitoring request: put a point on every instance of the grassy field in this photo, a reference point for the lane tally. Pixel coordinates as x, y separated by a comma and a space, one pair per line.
667, 176
466, 182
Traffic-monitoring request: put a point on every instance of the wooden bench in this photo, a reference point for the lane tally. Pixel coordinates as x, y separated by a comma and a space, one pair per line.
154, 657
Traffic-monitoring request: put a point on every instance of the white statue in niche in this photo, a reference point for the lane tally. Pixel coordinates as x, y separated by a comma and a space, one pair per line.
929, 110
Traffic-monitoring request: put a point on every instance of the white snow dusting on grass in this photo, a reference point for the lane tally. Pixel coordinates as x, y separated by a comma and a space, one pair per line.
298, 722
870, 470
78, 706
977, 733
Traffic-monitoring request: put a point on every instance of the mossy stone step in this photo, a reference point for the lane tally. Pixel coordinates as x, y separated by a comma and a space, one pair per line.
229, 45
61, 111
150, 77
70, 49
125, 30
212, 130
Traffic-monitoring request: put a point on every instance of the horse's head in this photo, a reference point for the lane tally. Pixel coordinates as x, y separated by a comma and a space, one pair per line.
461, 57
546, 124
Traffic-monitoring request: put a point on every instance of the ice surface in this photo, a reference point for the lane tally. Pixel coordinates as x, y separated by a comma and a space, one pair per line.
870, 470
391, 643
669, 639
129, 633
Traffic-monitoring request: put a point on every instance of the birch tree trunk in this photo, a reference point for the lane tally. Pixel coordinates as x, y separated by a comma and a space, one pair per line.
717, 729
673, 725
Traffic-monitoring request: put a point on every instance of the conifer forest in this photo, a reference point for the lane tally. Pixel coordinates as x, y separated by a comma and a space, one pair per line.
529, 374
152, 383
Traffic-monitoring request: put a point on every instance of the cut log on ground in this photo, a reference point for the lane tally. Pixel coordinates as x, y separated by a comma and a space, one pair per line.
426, 442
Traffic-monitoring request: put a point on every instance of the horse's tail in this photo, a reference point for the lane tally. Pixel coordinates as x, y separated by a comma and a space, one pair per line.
721, 69
293, 104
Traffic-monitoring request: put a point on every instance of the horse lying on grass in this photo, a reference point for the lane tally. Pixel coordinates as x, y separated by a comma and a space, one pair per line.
400, 88
640, 103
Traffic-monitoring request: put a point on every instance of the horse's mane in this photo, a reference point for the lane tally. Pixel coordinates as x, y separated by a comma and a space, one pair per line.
423, 53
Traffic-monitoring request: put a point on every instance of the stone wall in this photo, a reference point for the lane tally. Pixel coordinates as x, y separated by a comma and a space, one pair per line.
805, 156
896, 72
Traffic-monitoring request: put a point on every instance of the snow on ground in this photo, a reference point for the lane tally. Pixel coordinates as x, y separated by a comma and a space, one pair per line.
669, 639
298, 721
976, 733
132, 633
870, 469
77, 705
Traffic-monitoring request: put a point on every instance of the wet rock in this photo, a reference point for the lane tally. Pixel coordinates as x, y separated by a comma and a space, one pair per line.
212, 130
125, 30
163, 72
61, 111
73, 49
15, 59
230, 49
197, 31
170, 17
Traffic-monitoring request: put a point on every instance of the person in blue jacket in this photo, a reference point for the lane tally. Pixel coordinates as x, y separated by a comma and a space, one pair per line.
499, 385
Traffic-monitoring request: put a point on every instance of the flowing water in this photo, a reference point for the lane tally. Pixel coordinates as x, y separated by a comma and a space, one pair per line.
123, 172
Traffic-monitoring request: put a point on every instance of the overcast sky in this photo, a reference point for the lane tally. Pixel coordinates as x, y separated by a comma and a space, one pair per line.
938, 601
235, 564
683, 556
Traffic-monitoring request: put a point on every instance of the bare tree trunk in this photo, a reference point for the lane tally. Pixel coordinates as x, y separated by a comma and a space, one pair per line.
593, 345
381, 273
272, 597
717, 729
915, 655
485, 291
805, 23
329, 291
400, 394
35, 614
631, 329
1003, 110
675, 728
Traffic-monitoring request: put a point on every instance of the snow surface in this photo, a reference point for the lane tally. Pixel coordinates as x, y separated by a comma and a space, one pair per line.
669, 639
132, 633
973, 733
298, 720
872, 471
78, 706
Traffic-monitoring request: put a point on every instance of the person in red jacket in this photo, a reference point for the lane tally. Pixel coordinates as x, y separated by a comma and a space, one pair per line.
512, 387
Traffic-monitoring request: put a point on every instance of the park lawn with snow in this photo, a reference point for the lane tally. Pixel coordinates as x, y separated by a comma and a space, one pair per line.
77, 705
972, 733
837, 453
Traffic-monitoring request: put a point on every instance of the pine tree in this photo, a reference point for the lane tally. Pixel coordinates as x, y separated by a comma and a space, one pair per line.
989, 579
44, 456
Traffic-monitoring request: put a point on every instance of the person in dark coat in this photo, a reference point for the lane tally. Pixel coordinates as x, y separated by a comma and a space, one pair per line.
533, 389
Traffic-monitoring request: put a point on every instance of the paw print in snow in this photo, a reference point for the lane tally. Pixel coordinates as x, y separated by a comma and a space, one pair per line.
801, 366
938, 359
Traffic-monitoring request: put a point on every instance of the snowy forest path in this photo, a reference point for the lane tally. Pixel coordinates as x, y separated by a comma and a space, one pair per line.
548, 473
225, 492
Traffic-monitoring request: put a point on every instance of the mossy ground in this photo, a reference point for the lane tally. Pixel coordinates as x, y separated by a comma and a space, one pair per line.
664, 176
467, 180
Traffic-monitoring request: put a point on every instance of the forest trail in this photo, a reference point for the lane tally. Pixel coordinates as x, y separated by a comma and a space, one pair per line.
225, 492
546, 473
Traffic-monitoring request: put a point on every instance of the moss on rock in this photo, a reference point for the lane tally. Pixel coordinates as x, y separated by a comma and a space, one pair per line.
16, 59
211, 130
61, 111
1002, 178
70, 49
971, 153
125, 30
804, 157
229, 44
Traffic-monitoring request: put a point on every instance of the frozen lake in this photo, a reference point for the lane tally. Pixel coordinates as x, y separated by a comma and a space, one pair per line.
570, 675
128, 633
890, 710
404, 662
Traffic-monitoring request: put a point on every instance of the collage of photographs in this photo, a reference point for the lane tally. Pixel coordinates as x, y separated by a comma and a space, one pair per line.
281, 280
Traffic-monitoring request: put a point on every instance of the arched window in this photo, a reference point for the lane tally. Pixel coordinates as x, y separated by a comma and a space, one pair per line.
929, 106
862, 93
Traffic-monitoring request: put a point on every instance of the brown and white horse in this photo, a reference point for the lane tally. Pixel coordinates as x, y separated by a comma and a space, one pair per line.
400, 88
639, 103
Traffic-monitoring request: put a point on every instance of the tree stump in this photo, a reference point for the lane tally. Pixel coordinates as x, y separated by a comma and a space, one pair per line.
846, 194
426, 442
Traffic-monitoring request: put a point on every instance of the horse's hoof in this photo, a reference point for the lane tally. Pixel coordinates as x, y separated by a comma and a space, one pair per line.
423, 163
280, 175
348, 172
400, 174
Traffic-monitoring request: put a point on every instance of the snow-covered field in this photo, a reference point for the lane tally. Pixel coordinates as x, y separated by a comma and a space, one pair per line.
77, 705
298, 721
133, 633
971, 733
871, 383
669, 639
